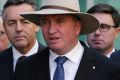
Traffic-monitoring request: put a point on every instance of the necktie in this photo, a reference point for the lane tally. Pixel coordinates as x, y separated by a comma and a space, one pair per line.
20, 59
59, 73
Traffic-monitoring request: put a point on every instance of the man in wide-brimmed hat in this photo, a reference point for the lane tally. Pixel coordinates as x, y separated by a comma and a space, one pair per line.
66, 58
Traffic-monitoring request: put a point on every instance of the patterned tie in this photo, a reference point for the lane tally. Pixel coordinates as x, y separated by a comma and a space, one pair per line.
59, 73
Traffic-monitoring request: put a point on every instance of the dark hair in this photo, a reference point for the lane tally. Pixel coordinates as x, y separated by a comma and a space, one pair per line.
19, 2
105, 8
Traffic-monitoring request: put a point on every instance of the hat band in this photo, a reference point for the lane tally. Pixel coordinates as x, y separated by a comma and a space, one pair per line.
57, 7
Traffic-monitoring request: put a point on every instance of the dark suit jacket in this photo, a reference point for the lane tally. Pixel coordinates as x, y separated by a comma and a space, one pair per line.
92, 67
116, 57
6, 63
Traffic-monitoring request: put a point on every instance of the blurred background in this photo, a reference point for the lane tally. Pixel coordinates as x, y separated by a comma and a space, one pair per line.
84, 5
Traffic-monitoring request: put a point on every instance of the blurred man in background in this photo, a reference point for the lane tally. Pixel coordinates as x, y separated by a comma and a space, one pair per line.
4, 42
102, 40
21, 34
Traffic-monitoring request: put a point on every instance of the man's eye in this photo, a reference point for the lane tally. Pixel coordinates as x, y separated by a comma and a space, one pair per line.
60, 21
104, 26
10, 23
44, 22
25, 21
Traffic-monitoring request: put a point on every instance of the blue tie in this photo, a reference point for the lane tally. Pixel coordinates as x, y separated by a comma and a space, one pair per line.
59, 73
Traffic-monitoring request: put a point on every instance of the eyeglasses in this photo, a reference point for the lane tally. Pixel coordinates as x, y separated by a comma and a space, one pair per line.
105, 27
1, 33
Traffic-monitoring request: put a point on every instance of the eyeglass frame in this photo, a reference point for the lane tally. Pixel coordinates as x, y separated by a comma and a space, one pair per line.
106, 26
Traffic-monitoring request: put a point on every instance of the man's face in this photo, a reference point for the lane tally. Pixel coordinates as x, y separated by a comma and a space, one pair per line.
103, 40
3, 37
21, 32
60, 32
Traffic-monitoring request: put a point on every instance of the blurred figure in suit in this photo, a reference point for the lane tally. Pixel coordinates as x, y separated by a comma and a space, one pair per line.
102, 40
4, 42
21, 33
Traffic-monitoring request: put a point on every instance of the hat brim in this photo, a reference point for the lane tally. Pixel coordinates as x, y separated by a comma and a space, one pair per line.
89, 23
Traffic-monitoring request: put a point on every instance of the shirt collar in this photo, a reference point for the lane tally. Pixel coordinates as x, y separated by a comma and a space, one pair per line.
109, 54
74, 55
17, 54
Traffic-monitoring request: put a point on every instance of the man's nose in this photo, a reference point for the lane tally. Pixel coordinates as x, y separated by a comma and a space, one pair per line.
52, 28
18, 26
97, 32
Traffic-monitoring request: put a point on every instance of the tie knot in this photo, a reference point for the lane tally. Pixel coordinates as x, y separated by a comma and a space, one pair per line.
21, 58
61, 60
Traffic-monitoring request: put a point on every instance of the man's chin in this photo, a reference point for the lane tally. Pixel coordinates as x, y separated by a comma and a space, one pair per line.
20, 45
55, 47
99, 48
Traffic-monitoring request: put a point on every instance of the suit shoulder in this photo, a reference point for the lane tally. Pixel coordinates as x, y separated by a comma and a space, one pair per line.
116, 54
32, 61
101, 59
6, 53
116, 57
39, 56
41, 47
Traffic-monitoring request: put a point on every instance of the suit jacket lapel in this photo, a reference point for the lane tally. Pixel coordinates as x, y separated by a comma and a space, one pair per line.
86, 70
43, 72
87, 67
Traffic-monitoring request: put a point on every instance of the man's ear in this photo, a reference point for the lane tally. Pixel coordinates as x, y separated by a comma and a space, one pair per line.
78, 27
117, 32
119, 29
38, 28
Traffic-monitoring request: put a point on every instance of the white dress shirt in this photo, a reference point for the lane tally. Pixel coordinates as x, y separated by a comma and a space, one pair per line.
17, 54
71, 65
109, 54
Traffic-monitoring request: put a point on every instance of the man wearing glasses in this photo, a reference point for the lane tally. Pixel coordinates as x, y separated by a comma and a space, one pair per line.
102, 40
4, 42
